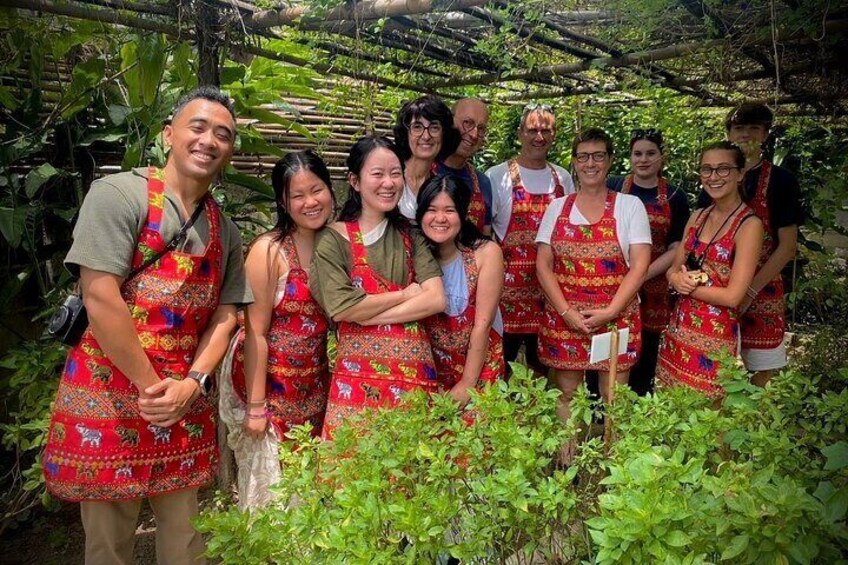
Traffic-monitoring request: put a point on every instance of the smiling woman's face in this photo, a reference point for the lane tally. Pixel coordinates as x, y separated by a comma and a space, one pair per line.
425, 138
441, 221
380, 181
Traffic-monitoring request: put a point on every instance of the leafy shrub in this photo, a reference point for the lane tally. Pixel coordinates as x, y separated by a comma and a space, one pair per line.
763, 478
27, 393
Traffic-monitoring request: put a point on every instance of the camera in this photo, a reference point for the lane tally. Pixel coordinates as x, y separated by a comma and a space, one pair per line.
69, 322
693, 262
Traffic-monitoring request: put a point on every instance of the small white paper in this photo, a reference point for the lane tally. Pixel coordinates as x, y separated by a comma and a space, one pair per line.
601, 345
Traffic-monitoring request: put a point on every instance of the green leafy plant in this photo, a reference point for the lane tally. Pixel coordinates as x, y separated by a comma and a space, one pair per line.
761, 479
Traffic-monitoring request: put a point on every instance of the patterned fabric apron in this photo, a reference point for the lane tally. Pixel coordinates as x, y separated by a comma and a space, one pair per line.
99, 447
477, 206
698, 329
376, 365
523, 300
450, 336
589, 266
763, 324
655, 308
298, 373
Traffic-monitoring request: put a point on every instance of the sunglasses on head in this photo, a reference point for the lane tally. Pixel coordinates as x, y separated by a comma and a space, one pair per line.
534, 106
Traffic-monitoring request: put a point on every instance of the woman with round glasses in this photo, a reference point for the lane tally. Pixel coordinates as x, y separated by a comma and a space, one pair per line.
668, 211
424, 133
711, 272
594, 251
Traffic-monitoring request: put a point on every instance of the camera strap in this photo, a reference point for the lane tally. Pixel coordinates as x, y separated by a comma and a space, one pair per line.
179, 238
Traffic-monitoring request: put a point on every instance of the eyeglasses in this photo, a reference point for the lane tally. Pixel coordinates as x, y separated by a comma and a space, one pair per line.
417, 129
597, 157
469, 125
723, 171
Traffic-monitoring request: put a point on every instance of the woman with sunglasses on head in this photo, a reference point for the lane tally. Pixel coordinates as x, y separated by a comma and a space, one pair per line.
376, 278
711, 272
280, 374
594, 251
424, 133
668, 211
466, 337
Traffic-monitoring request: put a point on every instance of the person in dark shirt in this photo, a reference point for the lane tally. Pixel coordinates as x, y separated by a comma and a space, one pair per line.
668, 211
775, 195
471, 118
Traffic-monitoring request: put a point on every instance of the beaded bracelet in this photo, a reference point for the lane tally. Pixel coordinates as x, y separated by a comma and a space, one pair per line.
261, 416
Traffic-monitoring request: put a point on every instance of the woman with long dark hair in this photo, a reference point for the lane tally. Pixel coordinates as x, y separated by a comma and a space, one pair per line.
466, 337
280, 373
711, 272
376, 278
424, 133
668, 211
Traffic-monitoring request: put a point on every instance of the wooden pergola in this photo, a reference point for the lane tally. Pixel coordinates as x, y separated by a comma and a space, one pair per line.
718, 56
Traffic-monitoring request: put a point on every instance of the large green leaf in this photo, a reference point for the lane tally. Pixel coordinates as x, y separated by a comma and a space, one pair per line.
37, 177
151, 58
85, 77
13, 224
837, 456
251, 183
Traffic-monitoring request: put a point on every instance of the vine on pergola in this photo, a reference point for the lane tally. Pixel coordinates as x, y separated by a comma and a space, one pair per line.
717, 51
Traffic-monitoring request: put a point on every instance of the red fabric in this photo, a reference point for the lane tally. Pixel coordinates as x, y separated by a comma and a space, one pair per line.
376, 365
99, 447
451, 335
589, 265
764, 323
477, 206
523, 300
298, 372
655, 307
698, 329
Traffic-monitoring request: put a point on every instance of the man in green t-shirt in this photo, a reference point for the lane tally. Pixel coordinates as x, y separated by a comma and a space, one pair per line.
132, 419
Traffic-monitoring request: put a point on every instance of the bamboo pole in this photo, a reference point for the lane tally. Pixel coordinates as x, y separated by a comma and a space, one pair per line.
369, 10
611, 379
631, 59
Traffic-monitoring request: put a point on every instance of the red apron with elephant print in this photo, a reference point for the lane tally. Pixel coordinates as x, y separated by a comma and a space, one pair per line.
99, 447
589, 266
298, 372
764, 323
376, 365
698, 330
523, 300
451, 335
477, 207
655, 306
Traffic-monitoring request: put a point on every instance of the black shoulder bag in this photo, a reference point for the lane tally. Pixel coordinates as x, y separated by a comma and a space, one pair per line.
70, 321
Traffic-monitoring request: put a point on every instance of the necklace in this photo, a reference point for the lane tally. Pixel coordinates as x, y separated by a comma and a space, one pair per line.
697, 261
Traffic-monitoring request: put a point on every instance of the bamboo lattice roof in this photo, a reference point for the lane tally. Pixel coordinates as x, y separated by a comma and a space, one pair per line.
718, 53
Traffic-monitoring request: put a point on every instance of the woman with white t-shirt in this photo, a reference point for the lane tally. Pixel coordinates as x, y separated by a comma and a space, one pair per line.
424, 133
594, 251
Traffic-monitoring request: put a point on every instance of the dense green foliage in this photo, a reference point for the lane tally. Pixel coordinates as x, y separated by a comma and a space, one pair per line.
763, 479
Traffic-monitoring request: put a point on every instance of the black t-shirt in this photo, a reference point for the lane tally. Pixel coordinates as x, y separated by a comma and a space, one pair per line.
783, 197
676, 200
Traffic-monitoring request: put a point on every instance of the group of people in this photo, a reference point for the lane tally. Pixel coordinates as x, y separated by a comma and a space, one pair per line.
433, 276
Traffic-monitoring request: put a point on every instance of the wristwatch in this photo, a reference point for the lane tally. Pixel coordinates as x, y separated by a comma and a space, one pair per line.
204, 381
